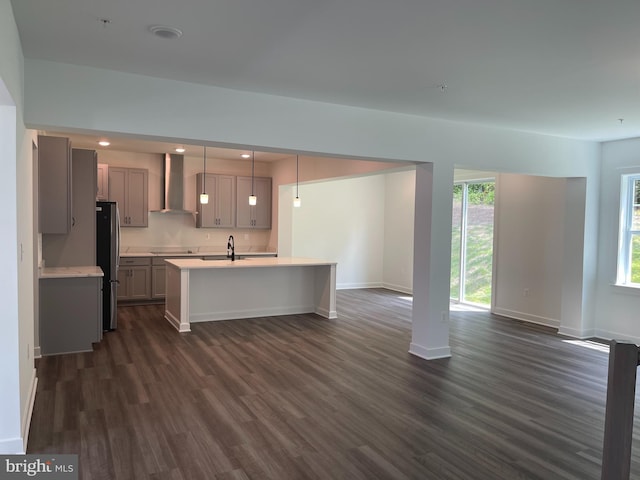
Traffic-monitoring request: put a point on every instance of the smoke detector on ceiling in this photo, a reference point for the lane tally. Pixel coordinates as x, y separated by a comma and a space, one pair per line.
164, 31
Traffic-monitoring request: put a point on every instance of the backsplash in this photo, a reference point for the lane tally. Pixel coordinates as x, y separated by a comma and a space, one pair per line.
168, 230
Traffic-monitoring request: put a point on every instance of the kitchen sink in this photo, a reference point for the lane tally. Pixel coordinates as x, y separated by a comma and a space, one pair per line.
173, 252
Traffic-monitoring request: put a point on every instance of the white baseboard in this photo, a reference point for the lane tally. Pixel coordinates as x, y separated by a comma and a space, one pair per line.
353, 286
527, 317
608, 335
18, 445
575, 333
37, 352
323, 312
398, 288
175, 322
429, 353
12, 446
251, 313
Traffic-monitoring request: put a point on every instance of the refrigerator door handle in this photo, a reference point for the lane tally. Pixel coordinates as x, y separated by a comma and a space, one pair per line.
117, 237
114, 306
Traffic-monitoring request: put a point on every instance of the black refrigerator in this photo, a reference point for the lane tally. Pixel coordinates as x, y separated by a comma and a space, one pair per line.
108, 258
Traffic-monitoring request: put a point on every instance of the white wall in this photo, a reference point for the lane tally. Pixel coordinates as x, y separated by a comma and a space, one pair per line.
17, 375
529, 221
617, 307
343, 221
398, 230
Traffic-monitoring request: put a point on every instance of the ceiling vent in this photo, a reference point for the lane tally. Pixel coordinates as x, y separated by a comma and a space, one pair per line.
164, 31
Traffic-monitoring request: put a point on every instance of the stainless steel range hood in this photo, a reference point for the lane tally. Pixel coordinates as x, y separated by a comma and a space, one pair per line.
174, 184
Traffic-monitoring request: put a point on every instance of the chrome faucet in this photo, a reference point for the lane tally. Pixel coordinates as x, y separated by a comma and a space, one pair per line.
231, 248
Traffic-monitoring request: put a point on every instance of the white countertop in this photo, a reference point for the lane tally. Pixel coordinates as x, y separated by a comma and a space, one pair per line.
197, 263
71, 272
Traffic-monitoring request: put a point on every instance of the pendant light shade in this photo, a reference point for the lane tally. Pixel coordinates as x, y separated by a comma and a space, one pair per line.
253, 200
296, 201
204, 198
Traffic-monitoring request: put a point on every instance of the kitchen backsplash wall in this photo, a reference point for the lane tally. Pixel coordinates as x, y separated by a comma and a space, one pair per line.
178, 230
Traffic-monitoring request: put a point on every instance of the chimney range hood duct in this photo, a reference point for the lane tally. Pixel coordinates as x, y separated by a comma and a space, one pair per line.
174, 184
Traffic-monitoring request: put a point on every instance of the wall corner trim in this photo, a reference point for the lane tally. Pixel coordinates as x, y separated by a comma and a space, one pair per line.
26, 421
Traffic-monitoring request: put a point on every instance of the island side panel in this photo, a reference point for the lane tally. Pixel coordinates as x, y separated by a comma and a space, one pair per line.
177, 295
232, 293
325, 291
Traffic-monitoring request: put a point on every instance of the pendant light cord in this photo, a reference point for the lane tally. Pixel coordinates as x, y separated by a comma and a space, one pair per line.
253, 161
204, 172
297, 170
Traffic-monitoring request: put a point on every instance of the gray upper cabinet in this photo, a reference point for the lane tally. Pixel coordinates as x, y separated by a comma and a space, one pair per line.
220, 212
102, 193
259, 215
129, 187
54, 184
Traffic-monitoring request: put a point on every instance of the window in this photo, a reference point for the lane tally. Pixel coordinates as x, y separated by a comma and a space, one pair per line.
629, 248
472, 242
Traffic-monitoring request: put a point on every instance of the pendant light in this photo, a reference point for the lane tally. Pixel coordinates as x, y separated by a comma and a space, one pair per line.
296, 201
253, 200
204, 198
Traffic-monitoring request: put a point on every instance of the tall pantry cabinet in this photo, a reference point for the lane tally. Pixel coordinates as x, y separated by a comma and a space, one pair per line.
78, 245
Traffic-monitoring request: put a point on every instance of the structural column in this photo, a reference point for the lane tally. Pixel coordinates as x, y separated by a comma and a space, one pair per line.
432, 261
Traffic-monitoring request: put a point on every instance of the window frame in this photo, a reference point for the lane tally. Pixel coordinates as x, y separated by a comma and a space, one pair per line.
627, 232
462, 267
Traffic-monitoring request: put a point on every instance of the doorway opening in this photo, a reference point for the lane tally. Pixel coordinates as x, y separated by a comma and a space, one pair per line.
472, 242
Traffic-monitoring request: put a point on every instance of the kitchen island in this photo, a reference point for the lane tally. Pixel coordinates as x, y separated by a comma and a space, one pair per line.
206, 290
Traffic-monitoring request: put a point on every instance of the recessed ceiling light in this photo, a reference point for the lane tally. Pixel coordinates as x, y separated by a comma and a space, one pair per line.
245, 155
181, 150
164, 31
104, 143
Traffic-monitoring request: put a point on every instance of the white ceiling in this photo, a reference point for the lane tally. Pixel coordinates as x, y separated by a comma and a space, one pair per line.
129, 144
569, 68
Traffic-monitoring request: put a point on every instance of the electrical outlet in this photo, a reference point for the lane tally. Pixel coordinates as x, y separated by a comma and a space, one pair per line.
526, 292
445, 317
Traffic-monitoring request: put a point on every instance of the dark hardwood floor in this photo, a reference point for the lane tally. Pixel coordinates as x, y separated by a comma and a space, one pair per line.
299, 397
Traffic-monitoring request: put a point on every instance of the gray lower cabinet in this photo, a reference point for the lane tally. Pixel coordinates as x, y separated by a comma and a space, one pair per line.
70, 314
134, 277
158, 281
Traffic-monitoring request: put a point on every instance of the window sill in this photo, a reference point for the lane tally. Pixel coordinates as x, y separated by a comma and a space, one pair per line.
625, 289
